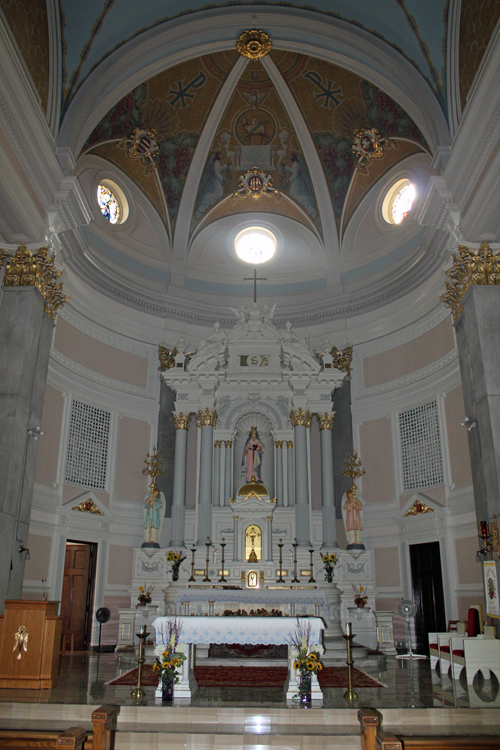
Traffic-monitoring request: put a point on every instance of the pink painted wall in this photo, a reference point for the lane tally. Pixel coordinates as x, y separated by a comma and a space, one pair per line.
191, 464
120, 561
315, 465
397, 621
48, 445
37, 567
457, 438
133, 443
100, 357
409, 357
387, 566
468, 570
376, 454
110, 629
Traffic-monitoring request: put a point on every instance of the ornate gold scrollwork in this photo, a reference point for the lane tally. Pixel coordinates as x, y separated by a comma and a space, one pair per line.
207, 417
300, 417
181, 420
353, 468
417, 508
27, 268
342, 359
88, 506
325, 420
479, 267
254, 44
152, 468
167, 358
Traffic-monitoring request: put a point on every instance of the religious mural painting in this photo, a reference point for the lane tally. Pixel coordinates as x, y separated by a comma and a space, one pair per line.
255, 131
343, 113
478, 20
152, 132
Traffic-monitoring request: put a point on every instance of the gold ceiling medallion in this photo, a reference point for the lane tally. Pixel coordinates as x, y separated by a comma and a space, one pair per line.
21, 642
254, 44
167, 358
142, 145
417, 508
88, 506
255, 183
27, 268
342, 359
369, 144
479, 267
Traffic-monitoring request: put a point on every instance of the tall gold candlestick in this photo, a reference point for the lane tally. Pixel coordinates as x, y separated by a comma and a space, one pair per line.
312, 578
138, 693
281, 579
193, 550
207, 543
222, 579
295, 545
349, 635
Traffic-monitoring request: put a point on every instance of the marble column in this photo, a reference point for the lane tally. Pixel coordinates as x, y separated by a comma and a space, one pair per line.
216, 496
206, 421
290, 474
25, 336
327, 484
301, 421
181, 422
269, 538
235, 538
228, 445
279, 473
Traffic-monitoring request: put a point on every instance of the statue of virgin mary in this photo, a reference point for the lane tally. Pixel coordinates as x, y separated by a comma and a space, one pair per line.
251, 461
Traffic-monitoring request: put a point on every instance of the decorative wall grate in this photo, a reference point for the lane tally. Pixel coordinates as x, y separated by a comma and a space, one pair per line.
87, 455
421, 447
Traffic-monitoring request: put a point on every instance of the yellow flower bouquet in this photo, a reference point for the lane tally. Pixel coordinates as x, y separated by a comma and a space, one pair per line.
306, 659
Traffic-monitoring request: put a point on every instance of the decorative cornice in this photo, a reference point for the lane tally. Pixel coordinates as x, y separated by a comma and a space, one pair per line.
300, 418
325, 420
181, 420
207, 418
278, 443
104, 380
470, 267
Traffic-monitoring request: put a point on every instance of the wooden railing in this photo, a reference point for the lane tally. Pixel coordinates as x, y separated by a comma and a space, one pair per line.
373, 738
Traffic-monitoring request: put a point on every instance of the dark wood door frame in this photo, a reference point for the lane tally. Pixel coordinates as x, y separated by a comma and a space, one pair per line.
428, 592
78, 590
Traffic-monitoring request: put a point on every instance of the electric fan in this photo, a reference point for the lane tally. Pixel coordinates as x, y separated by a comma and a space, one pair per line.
407, 609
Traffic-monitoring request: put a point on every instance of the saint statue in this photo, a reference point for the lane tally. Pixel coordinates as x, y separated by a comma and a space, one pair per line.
352, 513
251, 462
153, 513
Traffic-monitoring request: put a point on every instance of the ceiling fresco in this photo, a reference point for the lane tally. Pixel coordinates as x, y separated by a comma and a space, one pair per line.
93, 29
478, 20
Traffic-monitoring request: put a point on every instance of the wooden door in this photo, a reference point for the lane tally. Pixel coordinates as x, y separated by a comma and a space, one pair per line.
77, 592
427, 585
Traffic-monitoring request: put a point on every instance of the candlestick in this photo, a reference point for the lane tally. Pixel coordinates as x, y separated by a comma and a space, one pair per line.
193, 550
281, 579
312, 578
207, 543
295, 545
222, 579
349, 635
138, 693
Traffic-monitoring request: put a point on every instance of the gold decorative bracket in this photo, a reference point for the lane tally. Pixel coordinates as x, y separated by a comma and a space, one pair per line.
342, 359
88, 506
418, 508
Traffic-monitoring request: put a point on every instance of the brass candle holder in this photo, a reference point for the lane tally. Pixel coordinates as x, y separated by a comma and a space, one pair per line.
295, 545
223, 545
138, 692
312, 578
207, 544
281, 579
349, 635
193, 550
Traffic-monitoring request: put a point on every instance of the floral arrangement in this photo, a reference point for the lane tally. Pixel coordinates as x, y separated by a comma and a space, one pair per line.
175, 559
306, 658
360, 598
170, 657
145, 595
329, 563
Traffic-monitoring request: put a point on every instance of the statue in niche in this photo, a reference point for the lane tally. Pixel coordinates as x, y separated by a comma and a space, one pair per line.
352, 513
153, 514
251, 462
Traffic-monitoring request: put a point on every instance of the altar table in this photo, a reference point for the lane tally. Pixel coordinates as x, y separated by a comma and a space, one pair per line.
254, 597
242, 630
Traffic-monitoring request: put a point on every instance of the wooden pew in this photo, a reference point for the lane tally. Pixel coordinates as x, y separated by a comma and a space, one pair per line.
102, 721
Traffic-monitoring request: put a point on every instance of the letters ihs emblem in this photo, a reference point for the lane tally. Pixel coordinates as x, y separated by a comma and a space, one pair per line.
255, 183
254, 360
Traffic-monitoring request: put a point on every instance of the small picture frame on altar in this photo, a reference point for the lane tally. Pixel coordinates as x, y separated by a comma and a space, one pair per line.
252, 579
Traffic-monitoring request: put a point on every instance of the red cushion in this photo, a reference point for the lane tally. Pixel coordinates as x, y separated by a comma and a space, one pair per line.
446, 649
434, 646
458, 652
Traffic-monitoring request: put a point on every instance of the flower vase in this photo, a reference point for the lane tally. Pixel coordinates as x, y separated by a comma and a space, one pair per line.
305, 688
175, 574
360, 602
167, 689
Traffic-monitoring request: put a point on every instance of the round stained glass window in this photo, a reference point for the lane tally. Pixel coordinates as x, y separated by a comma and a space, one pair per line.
110, 208
398, 201
255, 245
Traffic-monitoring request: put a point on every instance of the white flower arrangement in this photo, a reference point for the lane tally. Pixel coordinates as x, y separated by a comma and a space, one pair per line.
319, 649
295, 652
160, 649
181, 648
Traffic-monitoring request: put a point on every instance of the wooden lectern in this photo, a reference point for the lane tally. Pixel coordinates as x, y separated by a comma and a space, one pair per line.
30, 637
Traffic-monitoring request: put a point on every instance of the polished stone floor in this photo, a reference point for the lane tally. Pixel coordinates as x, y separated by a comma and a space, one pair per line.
85, 680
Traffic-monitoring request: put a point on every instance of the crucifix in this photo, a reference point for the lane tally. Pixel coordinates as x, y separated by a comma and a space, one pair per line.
255, 279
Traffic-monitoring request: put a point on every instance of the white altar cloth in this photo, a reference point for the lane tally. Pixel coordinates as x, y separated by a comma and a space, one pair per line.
253, 596
243, 630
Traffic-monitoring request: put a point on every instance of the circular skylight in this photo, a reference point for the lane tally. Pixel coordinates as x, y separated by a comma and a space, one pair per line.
110, 208
255, 245
398, 201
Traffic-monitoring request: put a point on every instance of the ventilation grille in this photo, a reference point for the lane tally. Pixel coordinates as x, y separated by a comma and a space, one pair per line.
87, 446
421, 447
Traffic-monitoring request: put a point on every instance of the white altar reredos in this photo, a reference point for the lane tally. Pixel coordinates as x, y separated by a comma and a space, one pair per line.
255, 380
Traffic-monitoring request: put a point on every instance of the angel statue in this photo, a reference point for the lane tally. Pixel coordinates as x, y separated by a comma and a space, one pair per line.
154, 513
299, 182
21, 641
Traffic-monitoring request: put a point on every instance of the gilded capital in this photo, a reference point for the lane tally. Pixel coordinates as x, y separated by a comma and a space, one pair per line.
218, 444
236, 518
325, 420
181, 420
479, 267
278, 443
207, 418
342, 359
27, 268
289, 443
228, 443
300, 417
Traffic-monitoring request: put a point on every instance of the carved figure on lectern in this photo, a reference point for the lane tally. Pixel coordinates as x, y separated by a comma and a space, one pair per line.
251, 461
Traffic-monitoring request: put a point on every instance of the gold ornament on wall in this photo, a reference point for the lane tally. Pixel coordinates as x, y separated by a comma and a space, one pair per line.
207, 417
88, 506
342, 359
167, 358
325, 420
254, 184
368, 145
21, 642
479, 267
300, 417
142, 145
35, 268
418, 508
254, 44
181, 420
